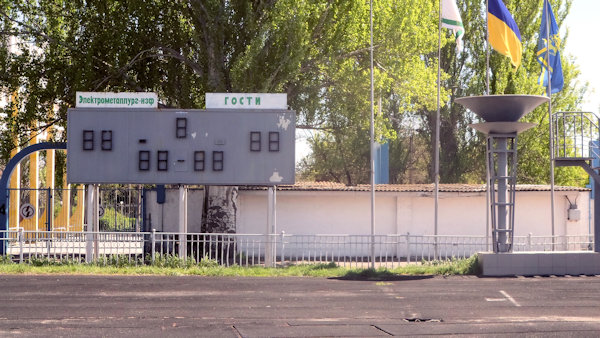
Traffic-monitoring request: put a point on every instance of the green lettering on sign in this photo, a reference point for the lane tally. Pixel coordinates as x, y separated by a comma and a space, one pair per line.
239, 101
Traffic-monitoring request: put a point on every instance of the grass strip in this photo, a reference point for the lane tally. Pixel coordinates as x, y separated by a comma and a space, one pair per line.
211, 268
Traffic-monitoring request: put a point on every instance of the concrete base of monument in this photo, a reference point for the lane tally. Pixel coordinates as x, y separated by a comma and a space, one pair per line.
557, 263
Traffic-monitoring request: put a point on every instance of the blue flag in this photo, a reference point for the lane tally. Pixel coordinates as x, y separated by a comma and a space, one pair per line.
550, 60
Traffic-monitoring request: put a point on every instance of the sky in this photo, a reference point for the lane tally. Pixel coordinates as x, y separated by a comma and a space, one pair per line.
582, 43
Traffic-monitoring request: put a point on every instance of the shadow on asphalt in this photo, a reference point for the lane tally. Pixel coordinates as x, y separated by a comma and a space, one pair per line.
371, 275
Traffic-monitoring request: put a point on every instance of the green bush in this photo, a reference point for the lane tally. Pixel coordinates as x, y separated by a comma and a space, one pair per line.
115, 221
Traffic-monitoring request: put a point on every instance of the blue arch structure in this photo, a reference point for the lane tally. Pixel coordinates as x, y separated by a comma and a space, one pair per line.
4, 182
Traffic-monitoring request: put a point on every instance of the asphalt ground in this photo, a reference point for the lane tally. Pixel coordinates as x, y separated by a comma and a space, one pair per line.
151, 306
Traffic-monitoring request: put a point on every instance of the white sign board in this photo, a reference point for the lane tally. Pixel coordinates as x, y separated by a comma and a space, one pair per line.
27, 211
116, 100
246, 101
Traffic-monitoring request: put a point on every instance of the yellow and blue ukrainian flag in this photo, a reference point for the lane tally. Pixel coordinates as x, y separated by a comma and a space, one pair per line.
550, 60
503, 33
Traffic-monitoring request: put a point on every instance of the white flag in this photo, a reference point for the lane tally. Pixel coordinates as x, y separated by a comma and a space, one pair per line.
451, 19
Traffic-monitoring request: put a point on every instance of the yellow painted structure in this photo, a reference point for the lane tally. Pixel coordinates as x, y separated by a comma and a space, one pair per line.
15, 184
76, 220
61, 222
66, 219
50, 163
14, 195
32, 223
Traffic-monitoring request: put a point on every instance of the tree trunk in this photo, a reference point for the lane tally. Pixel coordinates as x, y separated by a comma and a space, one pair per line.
221, 212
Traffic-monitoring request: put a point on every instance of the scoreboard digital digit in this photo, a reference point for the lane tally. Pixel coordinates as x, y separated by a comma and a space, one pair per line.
178, 146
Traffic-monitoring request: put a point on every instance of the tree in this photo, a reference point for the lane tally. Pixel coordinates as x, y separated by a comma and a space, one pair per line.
179, 49
410, 128
403, 33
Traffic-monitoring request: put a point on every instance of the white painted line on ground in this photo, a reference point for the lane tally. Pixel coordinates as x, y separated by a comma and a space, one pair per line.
496, 299
512, 300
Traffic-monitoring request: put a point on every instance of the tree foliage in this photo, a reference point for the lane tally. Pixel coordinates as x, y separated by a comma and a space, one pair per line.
179, 49
411, 128
316, 51
404, 34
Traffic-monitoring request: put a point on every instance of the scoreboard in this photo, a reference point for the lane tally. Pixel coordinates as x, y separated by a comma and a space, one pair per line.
179, 146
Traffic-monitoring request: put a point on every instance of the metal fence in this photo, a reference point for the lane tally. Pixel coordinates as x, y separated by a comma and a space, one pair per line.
70, 245
49, 209
63, 209
271, 250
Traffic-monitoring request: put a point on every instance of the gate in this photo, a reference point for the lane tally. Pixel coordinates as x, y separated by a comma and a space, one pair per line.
120, 209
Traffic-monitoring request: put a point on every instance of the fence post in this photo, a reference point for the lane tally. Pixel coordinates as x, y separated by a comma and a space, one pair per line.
529, 241
89, 249
48, 243
269, 231
282, 247
408, 247
96, 218
183, 196
153, 241
20, 236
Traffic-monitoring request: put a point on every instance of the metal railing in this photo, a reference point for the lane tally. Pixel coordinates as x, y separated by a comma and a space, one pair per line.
556, 243
271, 250
71, 245
574, 135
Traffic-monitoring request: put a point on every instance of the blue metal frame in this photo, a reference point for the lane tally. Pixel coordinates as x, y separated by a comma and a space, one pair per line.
596, 209
4, 182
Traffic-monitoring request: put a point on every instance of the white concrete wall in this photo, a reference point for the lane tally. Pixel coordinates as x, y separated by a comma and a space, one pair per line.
348, 212
165, 217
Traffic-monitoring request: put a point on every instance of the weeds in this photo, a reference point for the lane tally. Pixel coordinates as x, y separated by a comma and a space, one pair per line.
6, 260
45, 261
173, 265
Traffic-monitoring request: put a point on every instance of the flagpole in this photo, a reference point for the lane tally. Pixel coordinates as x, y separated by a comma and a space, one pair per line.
551, 141
487, 165
436, 170
372, 132
487, 51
